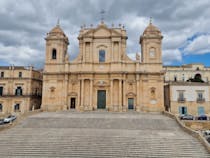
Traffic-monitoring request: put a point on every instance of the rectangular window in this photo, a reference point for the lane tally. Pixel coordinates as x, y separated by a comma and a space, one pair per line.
54, 53
201, 110
17, 107
1, 91
2, 74
20, 74
200, 95
18, 91
102, 55
181, 96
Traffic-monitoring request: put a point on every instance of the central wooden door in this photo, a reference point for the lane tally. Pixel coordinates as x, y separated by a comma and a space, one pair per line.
101, 99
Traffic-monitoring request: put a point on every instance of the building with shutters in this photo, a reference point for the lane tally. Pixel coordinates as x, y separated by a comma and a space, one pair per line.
20, 89
187, 98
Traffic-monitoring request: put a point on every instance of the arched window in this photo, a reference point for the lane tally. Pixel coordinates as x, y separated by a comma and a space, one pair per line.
102, 55
1, 107
2, 74
18, 91
152, 52
54, 53
198, 76
20, 74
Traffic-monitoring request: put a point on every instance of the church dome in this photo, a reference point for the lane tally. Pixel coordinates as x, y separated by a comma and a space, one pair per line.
57, 29
151, 30
57, 33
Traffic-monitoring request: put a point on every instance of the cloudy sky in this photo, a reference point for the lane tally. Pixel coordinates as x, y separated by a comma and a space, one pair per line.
185, 25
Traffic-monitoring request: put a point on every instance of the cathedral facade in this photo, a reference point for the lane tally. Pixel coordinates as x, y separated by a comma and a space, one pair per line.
103, 76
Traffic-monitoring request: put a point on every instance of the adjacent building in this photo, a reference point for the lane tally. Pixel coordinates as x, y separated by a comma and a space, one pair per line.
187, 98
20, 89
187, 89
185, 72
103, 76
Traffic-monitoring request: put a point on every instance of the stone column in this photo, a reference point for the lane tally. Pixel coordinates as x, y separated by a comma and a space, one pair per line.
66, 93
111, 97
91, 94
120, 95
79, 96
141, 91
124, 96
137, 93
112, 51
82, 95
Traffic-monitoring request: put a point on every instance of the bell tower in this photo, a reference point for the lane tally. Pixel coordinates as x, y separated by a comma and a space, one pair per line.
56, 46
151, 45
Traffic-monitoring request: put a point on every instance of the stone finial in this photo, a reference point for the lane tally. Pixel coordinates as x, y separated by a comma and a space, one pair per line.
137, 57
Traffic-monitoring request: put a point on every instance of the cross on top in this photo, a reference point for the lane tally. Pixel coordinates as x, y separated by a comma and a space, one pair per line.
58, 22
102, 12
150, 20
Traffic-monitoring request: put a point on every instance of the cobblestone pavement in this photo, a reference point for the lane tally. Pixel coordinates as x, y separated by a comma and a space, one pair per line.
99, 134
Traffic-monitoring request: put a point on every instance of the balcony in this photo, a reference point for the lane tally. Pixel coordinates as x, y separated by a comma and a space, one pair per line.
23, 95
200, 100
181, 100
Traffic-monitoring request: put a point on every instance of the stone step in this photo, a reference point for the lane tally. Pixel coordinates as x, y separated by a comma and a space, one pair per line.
99, 135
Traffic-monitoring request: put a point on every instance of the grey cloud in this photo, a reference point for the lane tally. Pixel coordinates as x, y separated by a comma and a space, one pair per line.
24, 24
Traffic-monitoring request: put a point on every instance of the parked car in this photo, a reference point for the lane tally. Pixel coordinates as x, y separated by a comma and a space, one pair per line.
1, 121
186, 117
207, 132
10, 118
208, 139
202, 117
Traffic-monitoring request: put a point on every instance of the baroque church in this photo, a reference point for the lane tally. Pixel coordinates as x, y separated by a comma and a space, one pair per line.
103, 76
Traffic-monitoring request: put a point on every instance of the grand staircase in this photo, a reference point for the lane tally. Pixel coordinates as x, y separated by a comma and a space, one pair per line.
99, 134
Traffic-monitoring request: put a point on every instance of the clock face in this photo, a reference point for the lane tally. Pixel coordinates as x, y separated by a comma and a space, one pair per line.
152, 54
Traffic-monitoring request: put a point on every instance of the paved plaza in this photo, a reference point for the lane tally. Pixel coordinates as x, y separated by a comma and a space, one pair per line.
99, 134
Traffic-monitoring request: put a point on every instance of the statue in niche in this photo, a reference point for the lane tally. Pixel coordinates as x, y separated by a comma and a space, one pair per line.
153, 93
122, 57
80, 58
130, 87
137, 57
73, 86
67, 57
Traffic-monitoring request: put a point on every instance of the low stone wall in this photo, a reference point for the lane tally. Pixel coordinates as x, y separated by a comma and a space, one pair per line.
195, 134
197, 125
19, 118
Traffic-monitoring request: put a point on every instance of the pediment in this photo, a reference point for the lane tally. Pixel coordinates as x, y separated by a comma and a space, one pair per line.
102, 31
131, 94
72, 94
